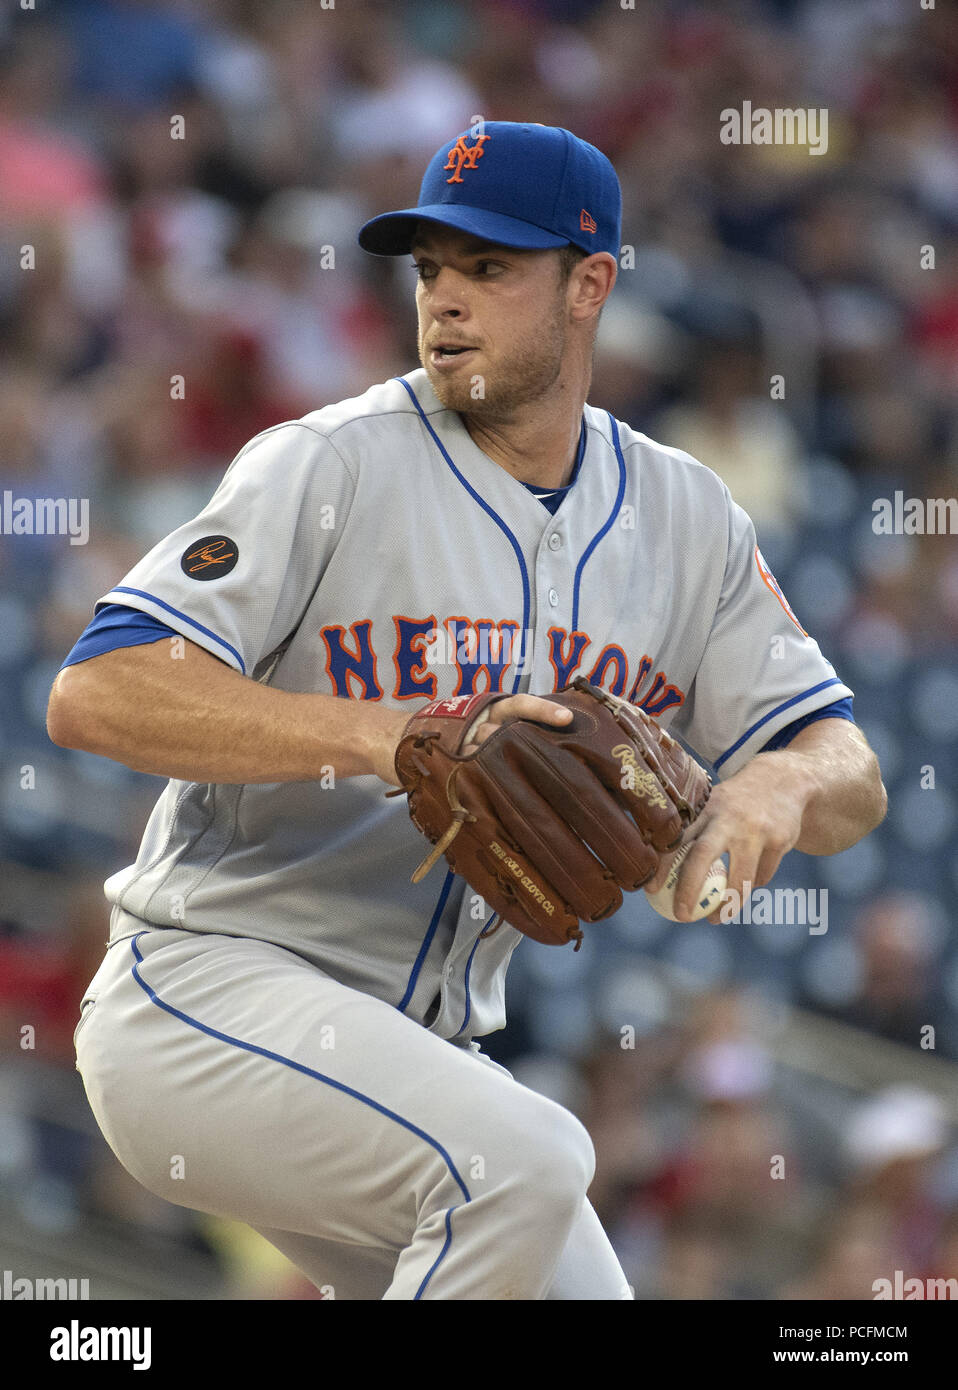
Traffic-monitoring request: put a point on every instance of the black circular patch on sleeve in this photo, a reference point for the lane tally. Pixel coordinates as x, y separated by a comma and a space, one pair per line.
210, 557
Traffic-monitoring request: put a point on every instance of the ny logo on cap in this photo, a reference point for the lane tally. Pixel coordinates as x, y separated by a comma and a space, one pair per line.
463, 156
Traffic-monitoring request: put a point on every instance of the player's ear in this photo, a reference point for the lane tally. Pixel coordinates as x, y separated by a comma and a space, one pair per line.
590, 285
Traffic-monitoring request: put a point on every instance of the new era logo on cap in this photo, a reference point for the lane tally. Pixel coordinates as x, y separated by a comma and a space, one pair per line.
524, 185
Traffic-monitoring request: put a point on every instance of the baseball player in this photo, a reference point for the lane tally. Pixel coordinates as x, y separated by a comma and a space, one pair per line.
284, 1028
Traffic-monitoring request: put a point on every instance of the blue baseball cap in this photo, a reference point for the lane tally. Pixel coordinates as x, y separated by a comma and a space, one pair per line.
531, 186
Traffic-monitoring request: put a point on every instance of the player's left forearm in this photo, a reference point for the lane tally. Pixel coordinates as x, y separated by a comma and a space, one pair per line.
845, 795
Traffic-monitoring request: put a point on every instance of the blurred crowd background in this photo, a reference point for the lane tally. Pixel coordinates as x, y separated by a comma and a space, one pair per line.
694, 1054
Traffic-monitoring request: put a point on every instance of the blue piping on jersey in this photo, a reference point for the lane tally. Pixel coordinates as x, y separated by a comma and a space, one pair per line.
822, 685
526, 602
469, 965
141, 593
426, 943
599, 534
429, 1274
839, 709
317, 1076
485, 932
468, 1012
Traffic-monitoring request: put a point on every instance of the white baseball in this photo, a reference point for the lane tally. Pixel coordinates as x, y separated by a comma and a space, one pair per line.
709, 898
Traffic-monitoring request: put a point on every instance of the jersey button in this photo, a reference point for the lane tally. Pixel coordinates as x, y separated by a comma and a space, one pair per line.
555, 541
554, 597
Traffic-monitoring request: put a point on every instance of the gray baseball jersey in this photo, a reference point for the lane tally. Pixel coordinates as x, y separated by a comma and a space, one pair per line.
372, 551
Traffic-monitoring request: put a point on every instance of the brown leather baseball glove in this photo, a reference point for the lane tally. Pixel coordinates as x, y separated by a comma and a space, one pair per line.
549, 824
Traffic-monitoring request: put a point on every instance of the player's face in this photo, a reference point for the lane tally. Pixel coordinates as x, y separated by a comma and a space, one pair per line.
493, 323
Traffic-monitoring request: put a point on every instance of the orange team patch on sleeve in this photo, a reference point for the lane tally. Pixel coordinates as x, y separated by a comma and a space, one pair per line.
773, 586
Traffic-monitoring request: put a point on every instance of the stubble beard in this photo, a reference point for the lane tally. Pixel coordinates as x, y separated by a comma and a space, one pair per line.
525, 375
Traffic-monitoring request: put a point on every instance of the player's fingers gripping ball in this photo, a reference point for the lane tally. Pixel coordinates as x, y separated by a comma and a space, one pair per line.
549, 824
710, 894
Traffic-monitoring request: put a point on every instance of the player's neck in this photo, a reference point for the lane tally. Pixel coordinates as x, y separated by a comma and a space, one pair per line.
537, 445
